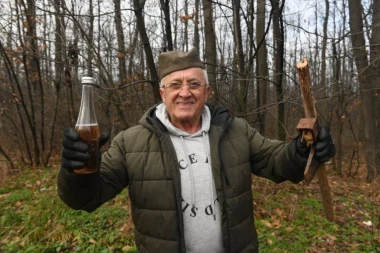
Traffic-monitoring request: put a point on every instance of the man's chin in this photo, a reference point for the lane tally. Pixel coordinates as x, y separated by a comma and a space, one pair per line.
184, 117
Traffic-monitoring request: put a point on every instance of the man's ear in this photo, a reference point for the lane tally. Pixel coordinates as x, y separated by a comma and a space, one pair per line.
162, 94
208, 92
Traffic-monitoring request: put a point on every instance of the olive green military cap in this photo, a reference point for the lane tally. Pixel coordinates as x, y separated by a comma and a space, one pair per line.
171, 61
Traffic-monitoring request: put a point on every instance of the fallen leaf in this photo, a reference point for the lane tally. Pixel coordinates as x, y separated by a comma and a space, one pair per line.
368, 223
276, 223
289, 229
331, 237
279, 212
267, 223
126, 247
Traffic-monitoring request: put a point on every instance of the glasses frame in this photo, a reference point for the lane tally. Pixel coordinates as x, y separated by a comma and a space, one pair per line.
194, 85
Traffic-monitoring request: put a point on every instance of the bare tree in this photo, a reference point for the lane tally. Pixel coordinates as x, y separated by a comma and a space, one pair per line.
41, 65
240, 61
90, 38
261, 64
121, 54
324, 47
138, 7
210, 56
368, 79
278, 36
168, 31
196, 24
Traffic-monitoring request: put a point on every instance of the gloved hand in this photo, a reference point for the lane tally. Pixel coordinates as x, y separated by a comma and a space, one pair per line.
75, 152
324, 145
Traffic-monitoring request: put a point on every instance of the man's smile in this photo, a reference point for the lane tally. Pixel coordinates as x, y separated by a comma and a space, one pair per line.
185, 103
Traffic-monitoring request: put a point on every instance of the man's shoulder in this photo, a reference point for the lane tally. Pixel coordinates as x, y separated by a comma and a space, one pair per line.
135, 131
240, 126
136, 138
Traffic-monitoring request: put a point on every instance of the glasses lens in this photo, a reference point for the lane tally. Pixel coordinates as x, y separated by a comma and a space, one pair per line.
177, 85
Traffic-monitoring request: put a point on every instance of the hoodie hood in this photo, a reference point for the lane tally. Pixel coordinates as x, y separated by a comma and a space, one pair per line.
185, 145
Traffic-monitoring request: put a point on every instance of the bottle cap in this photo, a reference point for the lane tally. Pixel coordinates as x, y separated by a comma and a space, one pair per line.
88, 79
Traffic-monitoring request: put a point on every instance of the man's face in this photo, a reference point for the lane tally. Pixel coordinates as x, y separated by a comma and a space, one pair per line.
185, 93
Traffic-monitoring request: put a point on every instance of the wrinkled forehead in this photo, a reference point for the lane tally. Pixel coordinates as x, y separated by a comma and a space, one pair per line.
189, 74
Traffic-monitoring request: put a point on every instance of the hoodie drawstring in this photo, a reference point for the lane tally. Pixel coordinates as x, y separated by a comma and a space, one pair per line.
207, 151
191, 173
210, 172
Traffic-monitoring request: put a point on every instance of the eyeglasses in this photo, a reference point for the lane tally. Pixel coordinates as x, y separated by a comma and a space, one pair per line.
175, 86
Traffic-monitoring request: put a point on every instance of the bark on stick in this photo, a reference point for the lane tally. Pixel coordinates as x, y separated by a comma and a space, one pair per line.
310, 112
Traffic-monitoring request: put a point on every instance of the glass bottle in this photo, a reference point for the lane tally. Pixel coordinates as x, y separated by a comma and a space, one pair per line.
87, 126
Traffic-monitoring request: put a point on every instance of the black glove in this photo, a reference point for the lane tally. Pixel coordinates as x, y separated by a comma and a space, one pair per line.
324, 146
302, 148
75, 152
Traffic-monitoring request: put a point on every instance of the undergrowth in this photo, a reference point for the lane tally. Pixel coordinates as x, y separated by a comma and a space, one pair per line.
289, 218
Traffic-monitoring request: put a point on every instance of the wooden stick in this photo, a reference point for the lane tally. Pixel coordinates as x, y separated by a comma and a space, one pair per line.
310, 112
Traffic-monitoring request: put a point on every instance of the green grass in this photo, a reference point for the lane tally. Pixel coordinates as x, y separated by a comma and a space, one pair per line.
307, 229
289, 218
34, 219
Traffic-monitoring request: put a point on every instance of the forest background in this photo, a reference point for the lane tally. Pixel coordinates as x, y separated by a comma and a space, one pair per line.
250, 49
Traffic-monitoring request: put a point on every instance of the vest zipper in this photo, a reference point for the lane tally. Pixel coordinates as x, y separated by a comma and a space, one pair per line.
177, 178
222, 169
164, 138
225, 183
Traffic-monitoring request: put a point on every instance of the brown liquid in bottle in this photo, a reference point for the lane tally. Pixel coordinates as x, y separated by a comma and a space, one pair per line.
89, 134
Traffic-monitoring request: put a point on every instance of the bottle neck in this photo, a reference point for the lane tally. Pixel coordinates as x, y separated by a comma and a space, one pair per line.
87, 114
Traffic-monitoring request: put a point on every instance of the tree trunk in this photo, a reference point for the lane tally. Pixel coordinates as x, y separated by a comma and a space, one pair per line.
7, 157
324, 47
261, 64
196, 23
90, 39
138, 7
13, 77
372, 90
121, 54
32, 75
364, 76
210, 55
71, 68
168, 30
278, 35
185, 45
60, 39
239, 54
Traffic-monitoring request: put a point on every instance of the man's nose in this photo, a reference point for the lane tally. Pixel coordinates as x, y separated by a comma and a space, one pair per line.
185, 91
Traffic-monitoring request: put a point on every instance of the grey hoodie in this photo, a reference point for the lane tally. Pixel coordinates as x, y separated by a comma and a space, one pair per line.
201, 210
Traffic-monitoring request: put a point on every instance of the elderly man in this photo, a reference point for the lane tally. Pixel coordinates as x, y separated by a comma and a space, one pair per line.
188, 167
